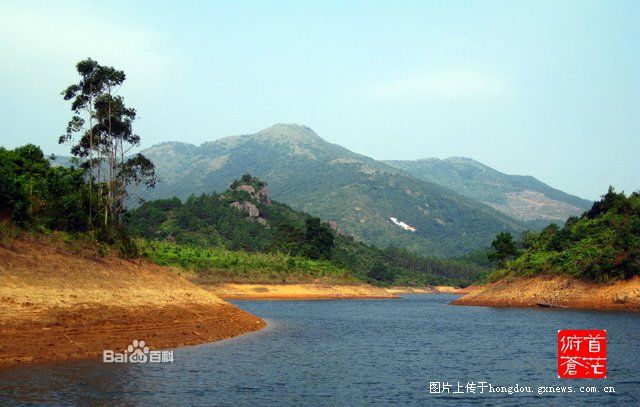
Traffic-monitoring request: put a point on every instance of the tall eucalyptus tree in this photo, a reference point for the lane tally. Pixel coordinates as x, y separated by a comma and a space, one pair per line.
107, 139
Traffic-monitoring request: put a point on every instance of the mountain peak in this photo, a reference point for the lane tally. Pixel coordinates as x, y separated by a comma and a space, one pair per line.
289, 131
461, 160
467, 162
171, 147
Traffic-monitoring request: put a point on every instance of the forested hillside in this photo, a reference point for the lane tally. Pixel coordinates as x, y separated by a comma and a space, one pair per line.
603, 244
522, 197
245, 218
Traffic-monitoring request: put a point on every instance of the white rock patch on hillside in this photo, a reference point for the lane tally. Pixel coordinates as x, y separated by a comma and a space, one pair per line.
402, 224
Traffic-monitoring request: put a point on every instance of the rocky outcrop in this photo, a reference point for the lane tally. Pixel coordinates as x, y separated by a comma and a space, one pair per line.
258, 194
261, 194
264, 194
335, 227
251, 209
247, 188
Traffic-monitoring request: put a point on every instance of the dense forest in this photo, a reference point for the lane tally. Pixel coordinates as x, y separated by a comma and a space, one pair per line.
603, 244
244, 218
35, 194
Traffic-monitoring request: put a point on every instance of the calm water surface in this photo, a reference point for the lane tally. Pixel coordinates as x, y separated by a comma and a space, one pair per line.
380, 352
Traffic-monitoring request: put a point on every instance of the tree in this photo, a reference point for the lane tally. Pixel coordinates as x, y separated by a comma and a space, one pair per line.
33, 193
31, 169
109, 136
113, 124
529, 239
288, 239
504, 248
379, 272
608, 201
318, 239
82, 95
13, 203
115, 128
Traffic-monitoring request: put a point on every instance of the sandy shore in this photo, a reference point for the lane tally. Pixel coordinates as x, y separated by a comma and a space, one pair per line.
296, 291
439, 289
60, 305
555, 291
410, 290
447, 289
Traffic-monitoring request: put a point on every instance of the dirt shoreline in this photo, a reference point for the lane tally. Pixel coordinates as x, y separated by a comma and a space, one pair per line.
319, 291
311, 291
56, 305
557, 291
438, 289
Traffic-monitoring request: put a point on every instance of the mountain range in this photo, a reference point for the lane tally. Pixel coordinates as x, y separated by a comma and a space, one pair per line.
522, 197
433, 207
358, 193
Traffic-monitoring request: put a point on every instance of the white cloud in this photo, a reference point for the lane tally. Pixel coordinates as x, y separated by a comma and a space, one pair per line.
453, 85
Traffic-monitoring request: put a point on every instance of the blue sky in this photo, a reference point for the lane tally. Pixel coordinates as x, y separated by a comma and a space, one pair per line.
549, 89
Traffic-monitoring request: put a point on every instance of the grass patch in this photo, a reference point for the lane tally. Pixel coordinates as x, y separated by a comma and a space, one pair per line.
220, 265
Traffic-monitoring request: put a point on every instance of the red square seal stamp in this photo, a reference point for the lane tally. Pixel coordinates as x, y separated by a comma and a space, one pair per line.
582, 354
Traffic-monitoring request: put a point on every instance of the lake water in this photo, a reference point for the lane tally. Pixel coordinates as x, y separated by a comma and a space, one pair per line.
371, 352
